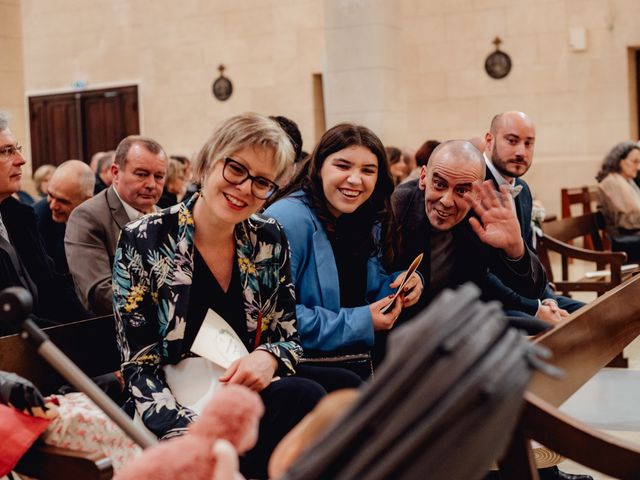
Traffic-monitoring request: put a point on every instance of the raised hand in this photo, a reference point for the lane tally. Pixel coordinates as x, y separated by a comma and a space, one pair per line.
498, 225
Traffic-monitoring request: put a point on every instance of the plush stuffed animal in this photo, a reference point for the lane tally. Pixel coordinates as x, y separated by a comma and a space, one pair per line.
229, 420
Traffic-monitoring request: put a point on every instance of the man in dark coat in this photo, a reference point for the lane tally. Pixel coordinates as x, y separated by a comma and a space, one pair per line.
434, 217
23, 261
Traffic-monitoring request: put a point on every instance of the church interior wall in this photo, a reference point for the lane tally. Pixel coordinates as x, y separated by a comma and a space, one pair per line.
580, 100
428, 71
172, 50
11, 69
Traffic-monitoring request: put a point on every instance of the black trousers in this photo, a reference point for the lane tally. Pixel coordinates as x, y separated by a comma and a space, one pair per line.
330, 378
286, 402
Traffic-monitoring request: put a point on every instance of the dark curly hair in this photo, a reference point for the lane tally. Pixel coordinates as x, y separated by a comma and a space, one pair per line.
376, 210
293, 132
611, 163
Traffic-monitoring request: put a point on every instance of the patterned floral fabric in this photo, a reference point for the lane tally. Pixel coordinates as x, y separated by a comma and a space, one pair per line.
82, 426
152, 274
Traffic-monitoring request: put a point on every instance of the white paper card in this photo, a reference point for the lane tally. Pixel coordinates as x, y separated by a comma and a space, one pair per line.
193, 381
218, 342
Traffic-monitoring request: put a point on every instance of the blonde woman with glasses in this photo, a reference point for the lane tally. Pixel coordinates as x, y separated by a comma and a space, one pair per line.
215, 253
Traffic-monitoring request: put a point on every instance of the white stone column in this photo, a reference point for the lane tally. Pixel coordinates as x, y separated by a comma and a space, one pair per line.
363, 77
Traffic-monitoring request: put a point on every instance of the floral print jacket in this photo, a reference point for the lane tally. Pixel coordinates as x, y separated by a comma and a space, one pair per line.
152, 274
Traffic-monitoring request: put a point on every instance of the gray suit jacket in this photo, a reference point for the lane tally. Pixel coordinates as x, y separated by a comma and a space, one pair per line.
90, 243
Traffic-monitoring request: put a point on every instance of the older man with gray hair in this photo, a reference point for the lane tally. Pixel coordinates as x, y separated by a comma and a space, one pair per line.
71, 184
23, 261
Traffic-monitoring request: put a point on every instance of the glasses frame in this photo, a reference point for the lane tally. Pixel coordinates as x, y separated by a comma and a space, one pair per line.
248, 176
11, 150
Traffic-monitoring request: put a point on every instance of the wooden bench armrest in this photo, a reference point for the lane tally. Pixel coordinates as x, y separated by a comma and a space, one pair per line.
616, 259
45, 461
570, 438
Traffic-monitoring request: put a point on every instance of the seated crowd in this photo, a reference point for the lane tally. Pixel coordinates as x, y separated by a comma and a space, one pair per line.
300, 254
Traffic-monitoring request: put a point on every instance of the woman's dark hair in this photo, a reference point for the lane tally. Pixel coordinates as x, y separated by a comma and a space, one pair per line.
425, 151
393, 154
611, 163
293, 132
376, 210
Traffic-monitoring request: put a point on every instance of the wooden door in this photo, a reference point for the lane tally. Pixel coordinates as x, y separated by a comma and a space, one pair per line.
76, 125
54, 129
108, 116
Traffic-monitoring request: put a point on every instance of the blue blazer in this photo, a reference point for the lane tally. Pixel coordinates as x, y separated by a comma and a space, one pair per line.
322, 323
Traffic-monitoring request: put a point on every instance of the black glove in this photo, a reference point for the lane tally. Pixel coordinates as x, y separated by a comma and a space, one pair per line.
19, 392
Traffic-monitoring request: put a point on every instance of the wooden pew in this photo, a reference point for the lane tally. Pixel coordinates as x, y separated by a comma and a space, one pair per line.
91, 344
581, 346
557, 236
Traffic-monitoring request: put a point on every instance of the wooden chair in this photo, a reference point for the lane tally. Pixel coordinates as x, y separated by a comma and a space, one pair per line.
585, 197
556, 237
91, 344
581, 346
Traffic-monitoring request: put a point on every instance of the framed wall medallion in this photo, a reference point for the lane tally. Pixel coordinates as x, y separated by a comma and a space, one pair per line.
222, 87
498, 63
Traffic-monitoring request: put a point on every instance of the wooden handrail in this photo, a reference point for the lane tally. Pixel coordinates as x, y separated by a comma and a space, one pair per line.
581, 346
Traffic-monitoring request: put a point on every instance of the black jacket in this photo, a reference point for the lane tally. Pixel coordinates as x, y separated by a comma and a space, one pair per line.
472, 258
52, 234
55, 301
99, 185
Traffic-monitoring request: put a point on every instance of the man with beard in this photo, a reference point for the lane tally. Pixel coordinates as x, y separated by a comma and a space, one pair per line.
508, 155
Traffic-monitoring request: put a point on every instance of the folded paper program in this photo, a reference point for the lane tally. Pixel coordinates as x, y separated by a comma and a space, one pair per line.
217, 341
194, 380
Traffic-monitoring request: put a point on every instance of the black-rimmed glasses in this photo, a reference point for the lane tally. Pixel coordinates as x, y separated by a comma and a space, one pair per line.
236, 174
10, 151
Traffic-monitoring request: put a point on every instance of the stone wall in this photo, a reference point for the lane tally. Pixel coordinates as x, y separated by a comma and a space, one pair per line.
409, 69
11, 72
